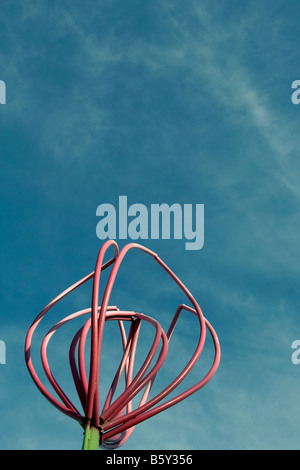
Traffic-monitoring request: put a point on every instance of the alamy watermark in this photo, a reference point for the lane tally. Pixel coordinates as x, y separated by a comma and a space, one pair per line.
2, 352
296, 94
163, 222
2, 92
295, 357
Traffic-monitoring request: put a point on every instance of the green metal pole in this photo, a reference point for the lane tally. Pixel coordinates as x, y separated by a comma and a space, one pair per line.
91, 438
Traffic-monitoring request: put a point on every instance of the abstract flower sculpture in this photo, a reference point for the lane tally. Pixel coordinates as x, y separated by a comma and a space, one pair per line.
111, 427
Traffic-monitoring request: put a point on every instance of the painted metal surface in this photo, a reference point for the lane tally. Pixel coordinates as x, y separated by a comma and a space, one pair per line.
111, 426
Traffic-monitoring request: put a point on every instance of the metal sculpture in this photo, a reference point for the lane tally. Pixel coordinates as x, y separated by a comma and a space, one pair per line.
112, 426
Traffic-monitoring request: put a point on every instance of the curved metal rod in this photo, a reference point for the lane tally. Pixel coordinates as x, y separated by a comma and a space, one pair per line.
113, 426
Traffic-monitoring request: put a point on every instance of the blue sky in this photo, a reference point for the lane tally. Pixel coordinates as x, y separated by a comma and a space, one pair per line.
186, 102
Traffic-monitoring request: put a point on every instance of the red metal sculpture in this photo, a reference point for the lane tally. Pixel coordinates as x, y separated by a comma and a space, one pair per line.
111, 427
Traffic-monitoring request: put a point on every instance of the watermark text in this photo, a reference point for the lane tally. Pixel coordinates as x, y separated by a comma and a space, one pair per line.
163, 222
295, 358
2, 352
2, 92
296, 94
